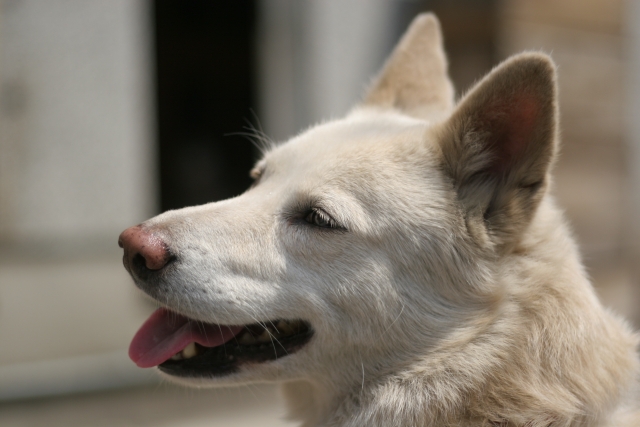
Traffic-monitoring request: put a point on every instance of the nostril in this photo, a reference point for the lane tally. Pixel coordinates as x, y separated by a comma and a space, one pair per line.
144, 251
155, 255
138, 263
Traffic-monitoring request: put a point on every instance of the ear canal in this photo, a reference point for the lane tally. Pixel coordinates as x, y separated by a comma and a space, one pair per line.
499, 143
414, 79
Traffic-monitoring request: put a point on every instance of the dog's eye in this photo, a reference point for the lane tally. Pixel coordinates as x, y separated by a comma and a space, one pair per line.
319, 218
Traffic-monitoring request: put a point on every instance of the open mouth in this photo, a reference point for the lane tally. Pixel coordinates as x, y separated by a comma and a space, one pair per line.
189, 348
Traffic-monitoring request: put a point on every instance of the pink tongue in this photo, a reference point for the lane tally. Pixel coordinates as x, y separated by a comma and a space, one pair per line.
166, 333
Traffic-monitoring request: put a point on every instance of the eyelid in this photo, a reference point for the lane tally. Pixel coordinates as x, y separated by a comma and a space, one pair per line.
324, 215
302, 205
334, 224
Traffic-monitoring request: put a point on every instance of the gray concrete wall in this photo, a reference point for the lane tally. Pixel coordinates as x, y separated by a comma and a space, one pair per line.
74, 119
632, 122
76, 167
316, 57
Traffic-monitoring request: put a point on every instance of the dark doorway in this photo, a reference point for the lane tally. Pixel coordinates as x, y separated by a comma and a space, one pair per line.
205, 91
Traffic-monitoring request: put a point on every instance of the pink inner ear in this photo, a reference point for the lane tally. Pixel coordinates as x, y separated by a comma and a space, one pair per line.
512, 126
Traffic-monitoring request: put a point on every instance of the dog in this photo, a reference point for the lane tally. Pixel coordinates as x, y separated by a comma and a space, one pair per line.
402, 266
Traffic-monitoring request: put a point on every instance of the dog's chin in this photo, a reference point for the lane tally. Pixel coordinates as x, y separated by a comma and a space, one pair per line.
255, 346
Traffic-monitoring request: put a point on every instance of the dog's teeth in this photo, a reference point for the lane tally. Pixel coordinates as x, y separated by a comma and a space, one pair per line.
190, 351
284, 327
177, 356
247, 339
264, 336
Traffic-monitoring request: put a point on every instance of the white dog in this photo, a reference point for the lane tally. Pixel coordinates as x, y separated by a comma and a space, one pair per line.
403, 266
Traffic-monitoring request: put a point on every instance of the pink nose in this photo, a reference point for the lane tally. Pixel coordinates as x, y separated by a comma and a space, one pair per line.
142, 250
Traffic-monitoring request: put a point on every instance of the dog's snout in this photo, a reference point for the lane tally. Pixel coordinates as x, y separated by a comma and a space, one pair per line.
143, 250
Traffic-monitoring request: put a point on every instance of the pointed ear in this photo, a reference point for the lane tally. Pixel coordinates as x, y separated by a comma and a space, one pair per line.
499, 143
414, 80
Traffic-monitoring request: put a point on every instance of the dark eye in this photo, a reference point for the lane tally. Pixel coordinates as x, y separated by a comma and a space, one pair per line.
319, 218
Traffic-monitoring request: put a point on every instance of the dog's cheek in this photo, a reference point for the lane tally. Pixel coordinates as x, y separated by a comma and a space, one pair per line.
364, 298
344, 281
313, 247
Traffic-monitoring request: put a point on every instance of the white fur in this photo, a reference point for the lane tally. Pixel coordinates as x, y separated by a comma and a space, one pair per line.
424, 315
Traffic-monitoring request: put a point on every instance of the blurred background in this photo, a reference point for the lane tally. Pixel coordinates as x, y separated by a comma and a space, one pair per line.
113, 111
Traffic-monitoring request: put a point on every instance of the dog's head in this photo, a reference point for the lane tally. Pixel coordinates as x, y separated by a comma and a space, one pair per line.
362, 240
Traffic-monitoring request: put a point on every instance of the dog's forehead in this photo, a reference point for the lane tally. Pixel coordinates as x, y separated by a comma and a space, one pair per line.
357, 140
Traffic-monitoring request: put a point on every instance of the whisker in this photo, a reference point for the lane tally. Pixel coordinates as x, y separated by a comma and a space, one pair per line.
394, 321
277, 340
256, 136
